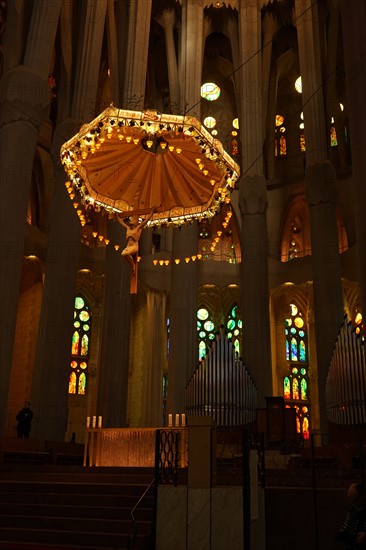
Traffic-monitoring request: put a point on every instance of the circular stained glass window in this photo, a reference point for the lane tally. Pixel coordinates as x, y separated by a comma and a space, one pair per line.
231, 324
79, 303
301, 333
202, 314
210, 91
73, 364
299, 322
86, 328
303, 371
294, 370
211, 336
209, 326
77, 324
210, 122
84, 315
83, 365
229, 335
202, 334
236, 332
293, 330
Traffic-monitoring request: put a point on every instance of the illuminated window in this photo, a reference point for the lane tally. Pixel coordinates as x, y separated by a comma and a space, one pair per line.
210, 122
234, 327
210, 91
80, 341
333, 136
206, 332
298, 85
295, 384
280, 138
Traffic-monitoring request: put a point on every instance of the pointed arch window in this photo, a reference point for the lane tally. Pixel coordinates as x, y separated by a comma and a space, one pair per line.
80, 341
206, 332
280, 136
295, 383
234, 327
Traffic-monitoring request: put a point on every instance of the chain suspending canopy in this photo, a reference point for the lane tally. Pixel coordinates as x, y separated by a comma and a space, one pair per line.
132, 162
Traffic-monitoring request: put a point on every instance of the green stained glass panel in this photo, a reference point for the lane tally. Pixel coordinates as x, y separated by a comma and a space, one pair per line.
202, 349
84, 315
82, 384
286, 388
236, 332
209, 326
77, 324
233, 311
240, 324
202, 314
202, 334
199, 324
293, 330
211, 336
229, 334
231, 324
79, 303
237, 346
84, 345
302, 350
86, 328
304, 389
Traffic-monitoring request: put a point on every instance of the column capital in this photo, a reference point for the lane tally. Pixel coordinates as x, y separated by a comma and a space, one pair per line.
24, 96
320, 182
253, 197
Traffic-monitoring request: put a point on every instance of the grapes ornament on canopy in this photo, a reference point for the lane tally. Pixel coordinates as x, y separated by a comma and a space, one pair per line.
145, 169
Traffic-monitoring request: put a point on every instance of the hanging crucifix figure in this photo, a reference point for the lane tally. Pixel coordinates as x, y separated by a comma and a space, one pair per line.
130, 252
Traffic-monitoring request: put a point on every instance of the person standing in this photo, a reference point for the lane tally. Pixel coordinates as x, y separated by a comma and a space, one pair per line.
24, 418
353, 530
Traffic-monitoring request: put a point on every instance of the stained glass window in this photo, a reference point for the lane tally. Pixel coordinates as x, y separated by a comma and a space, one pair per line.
280, 138
80, 339
333, 137
234, 327
206, 332
295, 384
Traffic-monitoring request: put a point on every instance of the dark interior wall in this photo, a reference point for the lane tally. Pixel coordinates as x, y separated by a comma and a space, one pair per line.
295, 515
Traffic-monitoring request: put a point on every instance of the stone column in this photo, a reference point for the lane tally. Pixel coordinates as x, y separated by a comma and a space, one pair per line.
183, 357
253, 204
50, 383
24, 100
113, 376
354, 27
155, 358
51, 372
166, 20
137, 52
320, 187
191, 57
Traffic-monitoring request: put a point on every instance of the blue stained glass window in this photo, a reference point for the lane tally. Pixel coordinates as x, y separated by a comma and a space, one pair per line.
287, 351
302, 350
293, 349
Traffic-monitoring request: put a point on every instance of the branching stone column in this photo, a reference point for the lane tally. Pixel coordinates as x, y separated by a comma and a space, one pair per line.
320, 186
253, 206
137, 52
51, 373
183, 321
191, 57
50, 383
354, 26
24, 102
166, 20
114, 361
155, 357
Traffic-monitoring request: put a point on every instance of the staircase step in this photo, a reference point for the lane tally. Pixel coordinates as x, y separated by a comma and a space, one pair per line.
32, 499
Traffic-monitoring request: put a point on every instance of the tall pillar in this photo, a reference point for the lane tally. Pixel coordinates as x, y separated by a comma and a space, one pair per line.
253, 203
166, 20
50, 376
137, 52
191, 57
320, 187
354, 27
155, 358
183, 355
114, 360
24, 100
50, 381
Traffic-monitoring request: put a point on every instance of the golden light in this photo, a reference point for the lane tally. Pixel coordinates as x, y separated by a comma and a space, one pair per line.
116, 247
236, 123
149, 143
279, 119
298, 85
177, 261
155, 262
107, 241
161, 262
94, 234
178, 150
199, 256
166, 262
187, 259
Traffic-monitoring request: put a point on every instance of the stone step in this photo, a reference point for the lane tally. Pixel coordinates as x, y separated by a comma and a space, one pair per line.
29, 498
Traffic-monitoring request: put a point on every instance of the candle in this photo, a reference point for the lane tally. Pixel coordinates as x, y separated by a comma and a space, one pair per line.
177, 419
170, 420
183, 419
88, 421
94, 422
99, 421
